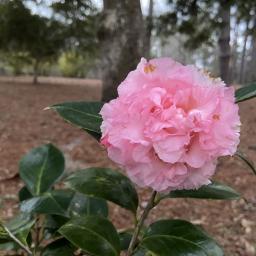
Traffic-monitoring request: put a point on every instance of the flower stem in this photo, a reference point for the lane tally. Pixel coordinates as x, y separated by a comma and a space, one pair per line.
140, 223
24, 247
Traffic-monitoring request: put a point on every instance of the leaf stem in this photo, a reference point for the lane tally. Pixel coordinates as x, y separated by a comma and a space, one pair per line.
150, 205
14, 238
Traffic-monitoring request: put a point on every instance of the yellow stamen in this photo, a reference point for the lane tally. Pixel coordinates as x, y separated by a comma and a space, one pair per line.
149, 68
216, 117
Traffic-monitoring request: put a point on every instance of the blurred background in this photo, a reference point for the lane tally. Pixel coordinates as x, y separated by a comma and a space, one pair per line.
105, 39
69, 50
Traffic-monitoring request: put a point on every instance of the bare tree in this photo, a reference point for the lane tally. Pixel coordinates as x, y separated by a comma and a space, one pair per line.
246, 33
149, 28
234, 53
224, 41
121, 38
253, 52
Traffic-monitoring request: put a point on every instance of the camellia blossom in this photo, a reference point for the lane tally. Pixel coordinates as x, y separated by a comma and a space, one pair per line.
169, 125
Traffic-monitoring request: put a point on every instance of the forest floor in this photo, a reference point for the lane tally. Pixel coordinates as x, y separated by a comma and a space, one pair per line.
24, 125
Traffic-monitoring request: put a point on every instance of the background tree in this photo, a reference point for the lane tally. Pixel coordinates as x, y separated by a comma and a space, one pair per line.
149, 28
212, 23
224, 40
46, 41
202, 22
14, 20
121, 38
37, 38
80, 18
246, 15
110, 39
252, 64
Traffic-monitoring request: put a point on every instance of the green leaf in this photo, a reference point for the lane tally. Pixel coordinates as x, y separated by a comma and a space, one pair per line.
107, 184
24, 194
65, 203
249, 162
82, 114
86, 205
215, 190
93, 234
19, 227
55, 221
125, 239
41, 168
179, 238
142, 252
60, 247
245, 93
9, 246
52, 224
3, 233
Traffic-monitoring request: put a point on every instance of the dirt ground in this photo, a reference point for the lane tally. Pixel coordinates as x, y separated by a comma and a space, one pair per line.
24, 124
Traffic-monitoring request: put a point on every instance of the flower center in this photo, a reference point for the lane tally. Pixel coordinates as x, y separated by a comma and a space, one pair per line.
149, 68
216, 117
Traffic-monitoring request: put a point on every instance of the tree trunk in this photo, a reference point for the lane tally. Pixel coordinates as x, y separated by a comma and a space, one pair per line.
241, 73
234, 54
35, 72
224, 41
121, 38
149, 28
253, 53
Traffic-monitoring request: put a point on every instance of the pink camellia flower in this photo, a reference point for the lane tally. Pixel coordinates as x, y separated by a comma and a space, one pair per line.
169, 125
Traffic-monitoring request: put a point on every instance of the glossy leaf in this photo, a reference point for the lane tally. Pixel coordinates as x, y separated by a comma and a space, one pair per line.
41, 168
60, 247
125, 239
142, 252
24, 194
8, 246
66, 203
249, 163
82, 114
214, 191
179, 238
86, 205
53, 223
245, 93
3, 233
19, 227
107, 184
94, 235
